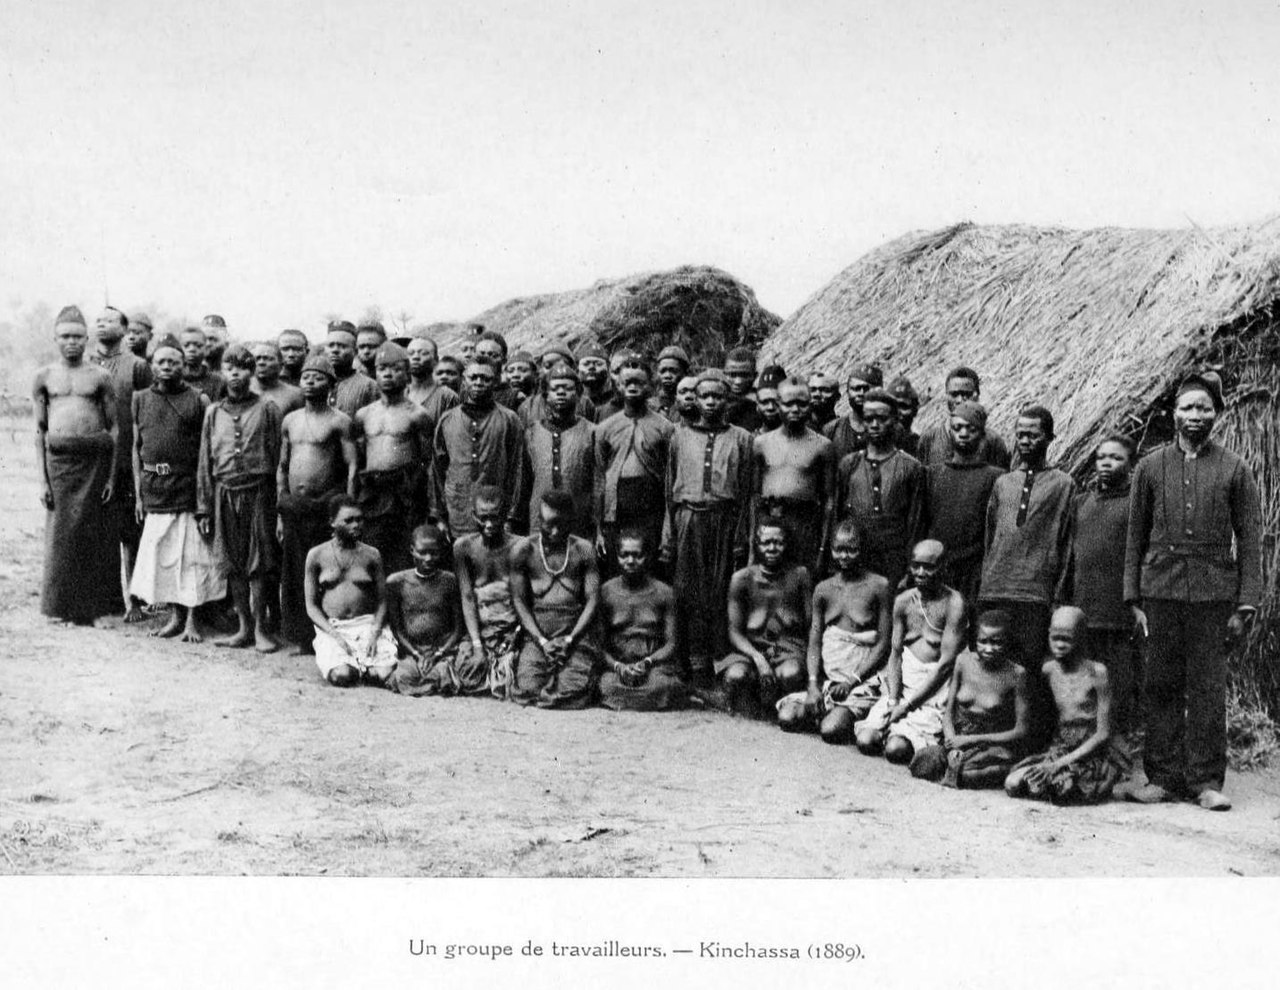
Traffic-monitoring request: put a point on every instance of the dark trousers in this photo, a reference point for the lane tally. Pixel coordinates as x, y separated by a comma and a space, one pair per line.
1029, 633
1116, 650
1185, 693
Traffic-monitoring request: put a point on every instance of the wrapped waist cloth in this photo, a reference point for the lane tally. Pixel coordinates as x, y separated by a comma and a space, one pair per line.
921, 726
356, 633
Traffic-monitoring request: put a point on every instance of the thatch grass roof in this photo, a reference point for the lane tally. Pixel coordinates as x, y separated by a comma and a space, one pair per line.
1097, 325
704, 310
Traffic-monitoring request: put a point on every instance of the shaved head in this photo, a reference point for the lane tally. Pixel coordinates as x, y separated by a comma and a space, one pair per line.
928, 552
1068, 617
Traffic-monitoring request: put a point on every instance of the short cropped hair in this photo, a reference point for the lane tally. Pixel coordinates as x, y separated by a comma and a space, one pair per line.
497, 338
558, 500
883, 397
1042, 414
293, 333
848, 526
489, 493
743, 355
634, 533
429, 530
967, 373
339, 502
1124, 441
996, 618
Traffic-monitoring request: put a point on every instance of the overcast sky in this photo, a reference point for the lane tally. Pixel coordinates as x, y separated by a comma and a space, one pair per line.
278, 161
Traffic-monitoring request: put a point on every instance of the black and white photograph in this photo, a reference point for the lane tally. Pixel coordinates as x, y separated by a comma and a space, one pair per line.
562, 491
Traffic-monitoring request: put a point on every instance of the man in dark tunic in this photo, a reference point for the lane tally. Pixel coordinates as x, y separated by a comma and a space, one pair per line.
75, 414
593, 369
955, 508
1096, 579
631, 456
1028, 544
849, 433
476, 443
1193, 576
934, 446
882, 489
672, 365
491, 346
175, 564
196, 371
129, 374
235, 495
562, 456
352, 391
710, 481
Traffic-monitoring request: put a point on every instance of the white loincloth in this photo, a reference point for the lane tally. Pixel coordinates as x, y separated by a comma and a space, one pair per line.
923, 725
843, 652
176, 565
355, 631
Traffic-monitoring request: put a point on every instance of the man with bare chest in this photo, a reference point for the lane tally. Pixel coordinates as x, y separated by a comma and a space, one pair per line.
267, 365
76, 433
929, 626
395, 435
555, 586
795, 477
317, 461
485, 661
769, 604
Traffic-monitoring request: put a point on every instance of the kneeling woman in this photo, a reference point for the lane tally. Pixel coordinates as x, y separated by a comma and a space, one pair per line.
638, 619
346, 591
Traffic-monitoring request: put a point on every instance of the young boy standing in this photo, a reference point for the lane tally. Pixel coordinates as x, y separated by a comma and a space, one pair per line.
239, 454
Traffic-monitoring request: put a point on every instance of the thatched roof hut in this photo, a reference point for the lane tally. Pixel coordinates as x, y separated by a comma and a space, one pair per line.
704, 310
1097, 325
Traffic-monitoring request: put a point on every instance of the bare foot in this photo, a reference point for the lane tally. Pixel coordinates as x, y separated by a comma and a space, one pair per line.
133, 614
170, 628
239, 641
192, 633
264, 643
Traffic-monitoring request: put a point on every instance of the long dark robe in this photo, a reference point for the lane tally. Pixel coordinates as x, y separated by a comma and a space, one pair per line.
81, 535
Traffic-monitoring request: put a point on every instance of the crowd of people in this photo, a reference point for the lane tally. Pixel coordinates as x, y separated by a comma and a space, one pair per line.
572, 528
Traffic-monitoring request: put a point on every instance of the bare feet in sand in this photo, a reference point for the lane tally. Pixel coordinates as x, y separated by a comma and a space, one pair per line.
170, 628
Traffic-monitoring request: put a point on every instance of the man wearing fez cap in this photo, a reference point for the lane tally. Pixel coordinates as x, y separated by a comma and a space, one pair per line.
395, 435
129, 374
216, 339
76, 450
352, 390
1193, 578
318, 460
138, 339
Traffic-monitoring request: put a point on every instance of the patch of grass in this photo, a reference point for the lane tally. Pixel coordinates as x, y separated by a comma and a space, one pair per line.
1252, 734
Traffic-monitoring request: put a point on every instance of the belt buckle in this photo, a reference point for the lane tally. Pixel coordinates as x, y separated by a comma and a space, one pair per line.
163, 469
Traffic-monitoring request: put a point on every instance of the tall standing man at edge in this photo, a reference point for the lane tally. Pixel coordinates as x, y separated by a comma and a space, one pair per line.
1189, 592
129, 374
76, 449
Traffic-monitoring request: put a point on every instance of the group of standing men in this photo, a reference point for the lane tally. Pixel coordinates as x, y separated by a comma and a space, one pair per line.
581, 525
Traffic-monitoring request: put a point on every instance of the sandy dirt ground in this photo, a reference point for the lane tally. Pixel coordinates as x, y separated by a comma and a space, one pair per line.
123, 754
